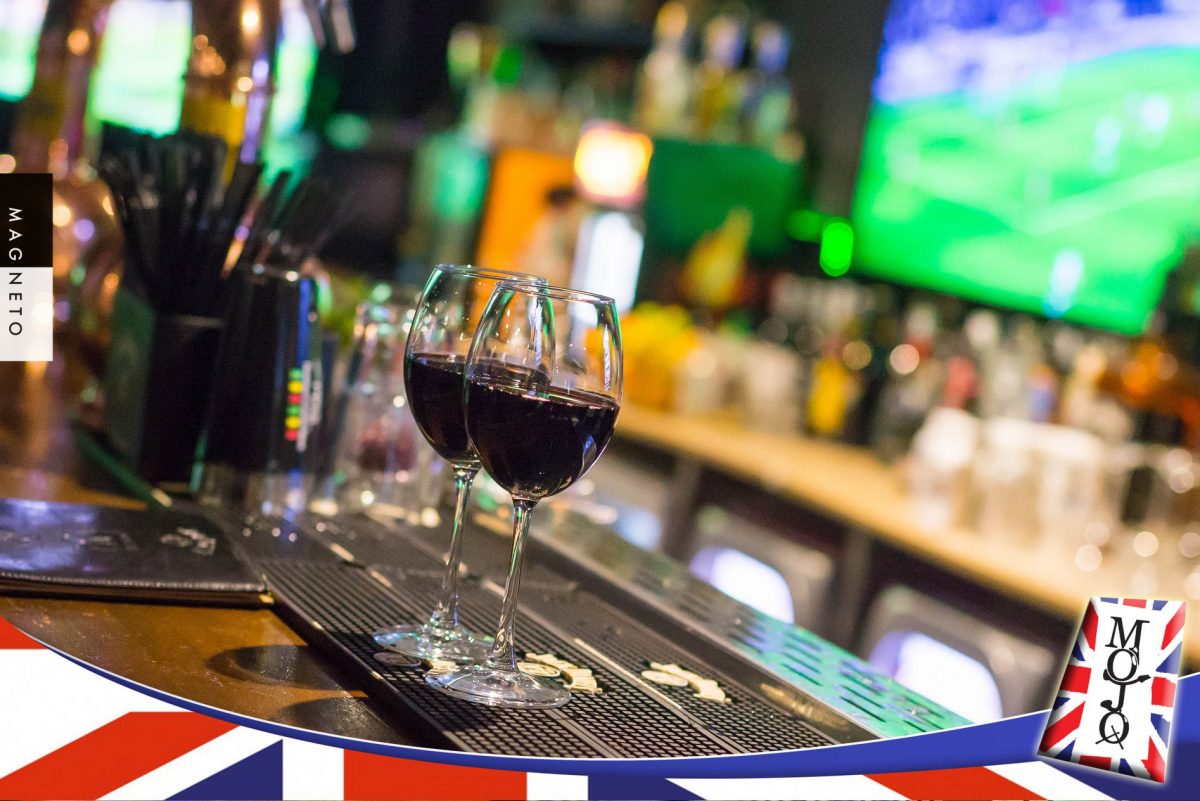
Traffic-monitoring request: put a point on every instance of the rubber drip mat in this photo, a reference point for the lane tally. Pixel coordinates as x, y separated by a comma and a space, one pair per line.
747, 720
593, 599
341, 605
853, 687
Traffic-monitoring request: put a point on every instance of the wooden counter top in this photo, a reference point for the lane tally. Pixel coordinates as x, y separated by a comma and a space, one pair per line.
852, 485
245, 660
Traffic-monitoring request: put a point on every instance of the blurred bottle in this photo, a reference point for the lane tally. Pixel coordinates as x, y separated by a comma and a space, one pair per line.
492, 116
1007, 370
785, 308
1006, 480
867, 355
962, 376
939, 476
1069, 485
771, 389
718, 90
52, 119
1160, 377
791, 322
54, 134
767, 102
703, 377
664, 82
716, 264
230, 77
834, 389
836, 386
1084, 406
915, 383
464, 57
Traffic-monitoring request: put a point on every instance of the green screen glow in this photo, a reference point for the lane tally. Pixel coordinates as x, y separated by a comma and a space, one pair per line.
804, 225
1059, 181
20, 23
139, 75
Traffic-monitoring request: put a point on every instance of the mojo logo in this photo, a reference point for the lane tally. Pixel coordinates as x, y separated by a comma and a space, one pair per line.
1121, 670
1117, 696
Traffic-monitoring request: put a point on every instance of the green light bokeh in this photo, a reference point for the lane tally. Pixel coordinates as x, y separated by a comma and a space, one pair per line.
20, 24
837, 247
138, 81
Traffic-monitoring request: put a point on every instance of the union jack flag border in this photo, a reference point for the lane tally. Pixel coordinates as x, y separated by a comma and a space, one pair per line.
1060, 740
71, 730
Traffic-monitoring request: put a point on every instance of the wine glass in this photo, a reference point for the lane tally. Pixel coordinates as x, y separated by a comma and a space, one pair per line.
543, 389
435, 353
371, 454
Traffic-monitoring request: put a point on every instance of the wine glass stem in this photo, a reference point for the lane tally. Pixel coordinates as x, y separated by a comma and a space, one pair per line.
445, 616
503, 655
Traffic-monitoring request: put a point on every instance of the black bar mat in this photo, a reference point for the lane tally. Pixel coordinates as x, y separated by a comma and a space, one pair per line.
338, 605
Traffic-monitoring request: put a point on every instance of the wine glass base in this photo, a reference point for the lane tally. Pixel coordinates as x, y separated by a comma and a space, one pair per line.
424, 641
508, 688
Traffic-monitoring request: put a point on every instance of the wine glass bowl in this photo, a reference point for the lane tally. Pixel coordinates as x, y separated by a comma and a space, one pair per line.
543, 390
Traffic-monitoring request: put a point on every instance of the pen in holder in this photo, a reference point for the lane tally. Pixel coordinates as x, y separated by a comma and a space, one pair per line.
156, 387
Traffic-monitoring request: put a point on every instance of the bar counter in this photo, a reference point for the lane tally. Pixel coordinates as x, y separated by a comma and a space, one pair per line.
853, 486
307, 658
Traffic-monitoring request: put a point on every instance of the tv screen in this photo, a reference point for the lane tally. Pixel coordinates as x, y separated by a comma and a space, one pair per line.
1042, 155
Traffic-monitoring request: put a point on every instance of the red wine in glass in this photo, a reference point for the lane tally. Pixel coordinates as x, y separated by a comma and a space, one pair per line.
435, 392
537, 442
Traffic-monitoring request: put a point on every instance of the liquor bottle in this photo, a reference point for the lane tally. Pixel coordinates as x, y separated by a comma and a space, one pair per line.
718, 84
664, 82
793, 321
230, 77
836, 384
53, 134
867, 355
834, 390
51, 119
230, 81
1006, 372
915, 383
962, 377
767, 105
1160, 378
1042, 384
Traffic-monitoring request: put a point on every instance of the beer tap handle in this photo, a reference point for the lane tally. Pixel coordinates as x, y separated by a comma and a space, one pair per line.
341, 25
312, 9
332, 24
